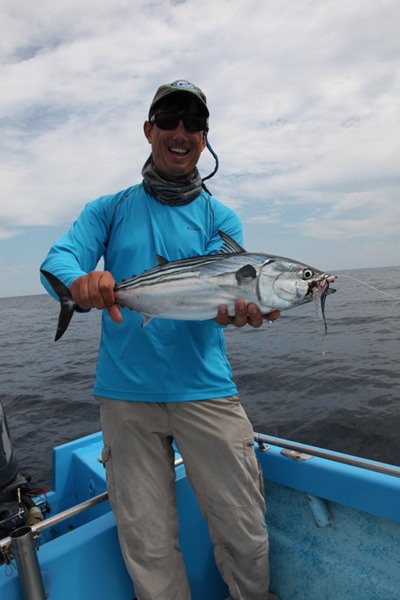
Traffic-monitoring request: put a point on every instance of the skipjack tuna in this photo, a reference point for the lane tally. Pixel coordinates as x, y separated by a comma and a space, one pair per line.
193, 288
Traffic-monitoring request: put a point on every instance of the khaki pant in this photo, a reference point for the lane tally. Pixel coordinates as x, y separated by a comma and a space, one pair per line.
215, 439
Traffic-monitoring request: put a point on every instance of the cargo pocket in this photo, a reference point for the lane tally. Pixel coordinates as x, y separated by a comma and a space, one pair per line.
105, 455
107, 464
255, 474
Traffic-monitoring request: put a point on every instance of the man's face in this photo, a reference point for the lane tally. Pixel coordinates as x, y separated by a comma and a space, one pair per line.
177, 151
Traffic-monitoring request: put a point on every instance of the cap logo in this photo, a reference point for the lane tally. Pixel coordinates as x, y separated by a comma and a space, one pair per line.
182, 84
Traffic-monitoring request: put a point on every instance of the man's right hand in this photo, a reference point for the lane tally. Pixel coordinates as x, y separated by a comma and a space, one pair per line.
96, 290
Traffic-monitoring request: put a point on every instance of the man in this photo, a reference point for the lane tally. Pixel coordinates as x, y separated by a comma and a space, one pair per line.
170, 380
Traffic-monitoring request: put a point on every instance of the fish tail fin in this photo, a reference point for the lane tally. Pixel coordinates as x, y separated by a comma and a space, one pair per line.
67, 303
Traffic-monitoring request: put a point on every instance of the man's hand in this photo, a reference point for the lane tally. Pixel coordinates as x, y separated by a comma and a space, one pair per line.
96, 290
244, 314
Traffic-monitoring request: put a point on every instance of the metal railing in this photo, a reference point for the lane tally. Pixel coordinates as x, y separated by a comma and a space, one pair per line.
5, 543
21, 545
261, 440
346, 459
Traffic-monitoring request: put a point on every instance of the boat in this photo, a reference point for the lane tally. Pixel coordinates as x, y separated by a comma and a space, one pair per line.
333, 522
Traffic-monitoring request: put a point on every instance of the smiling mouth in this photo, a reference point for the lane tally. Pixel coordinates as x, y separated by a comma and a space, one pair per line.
178, 151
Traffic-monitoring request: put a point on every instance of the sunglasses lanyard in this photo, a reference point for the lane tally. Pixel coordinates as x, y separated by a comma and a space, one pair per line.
211, 150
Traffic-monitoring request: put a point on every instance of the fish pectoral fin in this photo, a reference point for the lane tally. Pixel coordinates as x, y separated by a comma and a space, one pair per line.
245, 274
161, 261
146, 320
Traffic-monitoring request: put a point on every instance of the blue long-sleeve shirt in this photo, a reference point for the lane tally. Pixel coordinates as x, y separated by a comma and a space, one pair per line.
168, 360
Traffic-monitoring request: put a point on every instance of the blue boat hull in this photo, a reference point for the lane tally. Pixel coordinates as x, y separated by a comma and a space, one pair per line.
334, 531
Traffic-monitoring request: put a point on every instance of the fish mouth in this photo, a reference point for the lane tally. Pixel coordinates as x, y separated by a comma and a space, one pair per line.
321, 285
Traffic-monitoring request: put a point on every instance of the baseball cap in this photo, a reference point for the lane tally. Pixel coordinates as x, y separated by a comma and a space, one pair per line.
181, 86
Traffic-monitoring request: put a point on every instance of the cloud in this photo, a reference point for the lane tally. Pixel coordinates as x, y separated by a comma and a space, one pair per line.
303, 98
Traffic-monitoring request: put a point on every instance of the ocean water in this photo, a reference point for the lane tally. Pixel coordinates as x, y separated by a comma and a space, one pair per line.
340, 392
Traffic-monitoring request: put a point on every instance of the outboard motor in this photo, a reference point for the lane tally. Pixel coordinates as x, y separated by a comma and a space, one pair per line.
17, 506
8, 460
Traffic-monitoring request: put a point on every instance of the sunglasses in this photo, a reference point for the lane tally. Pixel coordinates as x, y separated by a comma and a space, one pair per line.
171, 121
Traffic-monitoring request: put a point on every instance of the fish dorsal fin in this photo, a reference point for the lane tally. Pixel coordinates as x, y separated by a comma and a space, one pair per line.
161, 261
245, 274
230, 246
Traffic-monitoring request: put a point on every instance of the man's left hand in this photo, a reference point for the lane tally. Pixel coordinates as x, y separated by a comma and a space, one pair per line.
246, 314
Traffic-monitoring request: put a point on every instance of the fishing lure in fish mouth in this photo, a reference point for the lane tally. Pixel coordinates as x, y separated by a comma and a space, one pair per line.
319, 290
192, 289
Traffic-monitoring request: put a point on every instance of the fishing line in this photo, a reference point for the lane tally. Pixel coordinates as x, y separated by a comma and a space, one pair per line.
371, 286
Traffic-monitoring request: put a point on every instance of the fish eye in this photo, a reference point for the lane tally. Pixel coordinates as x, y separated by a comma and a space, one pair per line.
308, 273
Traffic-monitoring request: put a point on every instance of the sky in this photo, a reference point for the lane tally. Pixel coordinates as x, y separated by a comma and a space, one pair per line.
304, 97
